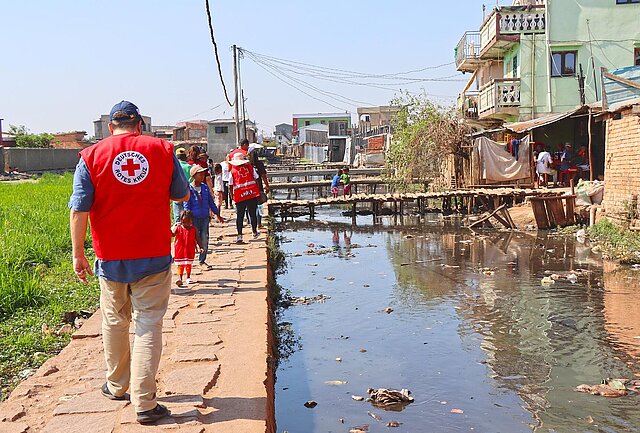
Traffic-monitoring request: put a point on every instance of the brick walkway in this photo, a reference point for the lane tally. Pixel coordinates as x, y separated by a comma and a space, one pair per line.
213, 369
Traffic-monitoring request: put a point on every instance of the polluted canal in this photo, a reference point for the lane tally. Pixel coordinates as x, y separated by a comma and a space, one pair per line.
490, 332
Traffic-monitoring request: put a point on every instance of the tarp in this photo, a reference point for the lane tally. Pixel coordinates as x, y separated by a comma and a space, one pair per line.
529, 125
498, 165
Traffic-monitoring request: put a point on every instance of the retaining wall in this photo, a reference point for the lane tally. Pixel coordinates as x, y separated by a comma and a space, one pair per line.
26, 160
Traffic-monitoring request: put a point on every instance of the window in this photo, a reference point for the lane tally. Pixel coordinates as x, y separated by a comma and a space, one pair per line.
222, 129
515, 66
563, 64
323, 122
307, 122
623, 2
636, 56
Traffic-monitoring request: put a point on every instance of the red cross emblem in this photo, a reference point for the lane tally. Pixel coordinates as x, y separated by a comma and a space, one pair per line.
130, 167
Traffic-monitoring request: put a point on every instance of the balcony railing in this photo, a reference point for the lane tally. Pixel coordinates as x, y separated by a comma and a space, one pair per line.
499, 97
468, 51
505, 25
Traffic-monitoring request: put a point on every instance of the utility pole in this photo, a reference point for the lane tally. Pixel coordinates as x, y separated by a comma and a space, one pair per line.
1, 134
235, 100
244, 114
581, 87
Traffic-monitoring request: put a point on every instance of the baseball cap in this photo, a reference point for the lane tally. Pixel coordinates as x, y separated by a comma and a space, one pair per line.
125, 110
195, 170
181, 151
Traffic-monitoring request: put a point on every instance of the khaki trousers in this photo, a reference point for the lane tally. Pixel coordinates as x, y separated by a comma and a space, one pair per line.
137, 368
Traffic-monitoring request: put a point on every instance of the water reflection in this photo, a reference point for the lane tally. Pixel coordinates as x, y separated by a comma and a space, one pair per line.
472, 325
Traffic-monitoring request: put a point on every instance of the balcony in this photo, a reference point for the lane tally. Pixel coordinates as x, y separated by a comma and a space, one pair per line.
500, 98
468, 52
504, 26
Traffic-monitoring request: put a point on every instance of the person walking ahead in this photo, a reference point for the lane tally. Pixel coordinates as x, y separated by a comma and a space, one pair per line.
123, 185
245, 191
202, 205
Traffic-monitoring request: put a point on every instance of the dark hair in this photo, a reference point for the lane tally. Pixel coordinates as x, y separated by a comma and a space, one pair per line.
192, 153
345, 169
182, 156
217, 167
128, 123
186, 214
244, 141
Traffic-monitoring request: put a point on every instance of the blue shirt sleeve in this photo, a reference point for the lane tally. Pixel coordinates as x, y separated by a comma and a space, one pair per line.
82, 196
212, 203
179, 184
188, 205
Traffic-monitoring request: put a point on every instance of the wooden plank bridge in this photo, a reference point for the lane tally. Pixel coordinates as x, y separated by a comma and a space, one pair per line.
288, 174
323, 187
465, 200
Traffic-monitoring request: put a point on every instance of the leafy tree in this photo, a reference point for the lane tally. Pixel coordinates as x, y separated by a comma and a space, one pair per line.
25, 139
425, 136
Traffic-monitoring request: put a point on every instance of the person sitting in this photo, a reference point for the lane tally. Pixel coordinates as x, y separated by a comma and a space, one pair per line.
543, 167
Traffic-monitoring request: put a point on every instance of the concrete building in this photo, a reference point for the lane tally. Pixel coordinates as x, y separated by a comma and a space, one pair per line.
370, 117
221, 137
340, 121
283, 134
527, 59
195, 130
101, 127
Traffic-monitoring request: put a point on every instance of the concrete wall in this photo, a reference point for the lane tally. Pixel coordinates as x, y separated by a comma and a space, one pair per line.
27, 160
218, 145
622, 167
315, 153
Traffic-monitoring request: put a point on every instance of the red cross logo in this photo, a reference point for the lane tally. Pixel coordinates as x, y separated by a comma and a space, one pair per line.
130, 167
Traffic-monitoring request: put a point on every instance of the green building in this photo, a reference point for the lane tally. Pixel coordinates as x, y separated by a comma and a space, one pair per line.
533, 58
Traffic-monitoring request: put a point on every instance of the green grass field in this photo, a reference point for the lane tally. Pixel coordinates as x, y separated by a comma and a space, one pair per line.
37, 283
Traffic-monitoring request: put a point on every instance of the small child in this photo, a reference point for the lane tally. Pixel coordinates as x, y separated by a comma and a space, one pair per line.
185, 245
335, 183
346, 181
218, 186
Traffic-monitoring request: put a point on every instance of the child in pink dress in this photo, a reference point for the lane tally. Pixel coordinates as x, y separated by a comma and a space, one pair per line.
185, 245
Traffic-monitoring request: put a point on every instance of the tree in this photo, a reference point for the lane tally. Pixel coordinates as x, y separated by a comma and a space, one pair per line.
25, 139
425, 136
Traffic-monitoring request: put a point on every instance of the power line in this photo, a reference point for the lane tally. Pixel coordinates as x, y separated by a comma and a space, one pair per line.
202, 112
215, 50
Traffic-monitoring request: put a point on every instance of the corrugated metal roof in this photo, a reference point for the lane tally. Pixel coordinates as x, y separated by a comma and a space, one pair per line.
529, 125
618, 92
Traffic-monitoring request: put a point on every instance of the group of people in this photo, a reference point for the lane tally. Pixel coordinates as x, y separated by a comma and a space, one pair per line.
341, 179
122, 186
549, 166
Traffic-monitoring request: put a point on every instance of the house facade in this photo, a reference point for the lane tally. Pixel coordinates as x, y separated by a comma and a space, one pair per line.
538, 57
221, 137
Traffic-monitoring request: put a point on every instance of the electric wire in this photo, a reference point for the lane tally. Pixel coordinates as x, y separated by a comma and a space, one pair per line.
215, 50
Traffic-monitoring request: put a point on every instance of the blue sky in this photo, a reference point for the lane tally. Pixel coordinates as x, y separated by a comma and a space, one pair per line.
65, 62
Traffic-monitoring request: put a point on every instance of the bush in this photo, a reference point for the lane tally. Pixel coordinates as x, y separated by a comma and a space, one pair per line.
617, 243
26, 139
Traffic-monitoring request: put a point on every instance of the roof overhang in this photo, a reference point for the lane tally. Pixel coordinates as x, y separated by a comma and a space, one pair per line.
540, 122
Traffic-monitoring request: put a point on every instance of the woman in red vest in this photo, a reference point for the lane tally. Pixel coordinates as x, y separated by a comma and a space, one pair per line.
245, 192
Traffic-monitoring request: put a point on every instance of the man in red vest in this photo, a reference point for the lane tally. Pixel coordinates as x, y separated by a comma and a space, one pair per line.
123, 185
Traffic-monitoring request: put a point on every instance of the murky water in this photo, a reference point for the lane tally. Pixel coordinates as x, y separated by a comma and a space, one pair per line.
472, 328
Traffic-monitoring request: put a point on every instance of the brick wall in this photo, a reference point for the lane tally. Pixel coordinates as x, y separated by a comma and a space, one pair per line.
622, 166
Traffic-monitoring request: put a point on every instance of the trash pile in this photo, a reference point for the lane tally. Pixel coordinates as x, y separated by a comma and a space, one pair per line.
612, 387
306, 300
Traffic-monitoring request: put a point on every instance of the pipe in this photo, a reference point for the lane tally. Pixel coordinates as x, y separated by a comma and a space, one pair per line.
547, 32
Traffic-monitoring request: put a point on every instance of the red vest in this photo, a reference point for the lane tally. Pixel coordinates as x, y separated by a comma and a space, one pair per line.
244, 184
129, 216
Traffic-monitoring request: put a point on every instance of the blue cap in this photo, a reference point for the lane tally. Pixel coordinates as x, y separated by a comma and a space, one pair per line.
125, 110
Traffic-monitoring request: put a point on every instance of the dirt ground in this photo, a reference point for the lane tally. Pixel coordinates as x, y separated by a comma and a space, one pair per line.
214, 364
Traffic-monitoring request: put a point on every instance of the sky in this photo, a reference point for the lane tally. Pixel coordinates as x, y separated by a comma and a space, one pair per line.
64, 63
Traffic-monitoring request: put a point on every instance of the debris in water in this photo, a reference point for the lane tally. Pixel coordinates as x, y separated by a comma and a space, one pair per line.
374, 416
611, 387
366, 285
357, 397
360, 429
547, 281
339, 359
394, 424
573, 278
363, 350
335, 382
310, 404
388, 310
329, 278
456, 411
304, 300
590, 419
408, 237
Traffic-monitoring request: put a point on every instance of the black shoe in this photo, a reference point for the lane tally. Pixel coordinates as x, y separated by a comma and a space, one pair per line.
152, 415
105, 391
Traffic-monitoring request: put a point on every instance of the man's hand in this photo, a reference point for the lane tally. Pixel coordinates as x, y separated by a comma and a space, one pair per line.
201, 251
219, 218
82, 268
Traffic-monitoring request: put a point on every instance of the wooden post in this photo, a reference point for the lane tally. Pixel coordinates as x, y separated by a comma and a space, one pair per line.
590, 150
